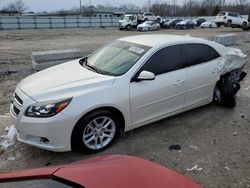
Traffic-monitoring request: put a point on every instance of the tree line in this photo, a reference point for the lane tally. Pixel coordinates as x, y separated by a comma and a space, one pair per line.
14, 7
166, 8
200, 8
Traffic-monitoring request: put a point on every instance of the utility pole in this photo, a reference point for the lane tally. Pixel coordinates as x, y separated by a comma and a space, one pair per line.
149, 4
90, 8
80, 7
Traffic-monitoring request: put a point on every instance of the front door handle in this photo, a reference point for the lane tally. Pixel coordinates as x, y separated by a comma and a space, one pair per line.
178, 82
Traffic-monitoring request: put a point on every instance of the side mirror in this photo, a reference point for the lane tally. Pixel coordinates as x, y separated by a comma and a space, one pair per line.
146, 75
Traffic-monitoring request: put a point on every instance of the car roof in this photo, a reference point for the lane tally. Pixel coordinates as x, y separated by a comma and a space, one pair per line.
156, 40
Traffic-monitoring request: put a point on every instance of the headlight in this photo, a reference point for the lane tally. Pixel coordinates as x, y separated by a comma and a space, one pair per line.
47, 109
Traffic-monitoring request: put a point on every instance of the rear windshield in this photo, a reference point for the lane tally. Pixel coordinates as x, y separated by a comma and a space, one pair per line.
221, 14
41, 183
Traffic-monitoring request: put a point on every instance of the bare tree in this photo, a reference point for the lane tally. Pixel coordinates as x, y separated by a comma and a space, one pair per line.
129, 6
20, 6
15, 7
10, 9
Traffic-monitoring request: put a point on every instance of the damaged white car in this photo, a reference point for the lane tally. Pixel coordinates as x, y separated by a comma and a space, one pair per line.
85, 104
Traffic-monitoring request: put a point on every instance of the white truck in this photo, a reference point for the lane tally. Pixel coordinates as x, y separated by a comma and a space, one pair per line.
132, 20
128, 21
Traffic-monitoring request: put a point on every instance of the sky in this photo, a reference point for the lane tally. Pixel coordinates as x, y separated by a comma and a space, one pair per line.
51, 5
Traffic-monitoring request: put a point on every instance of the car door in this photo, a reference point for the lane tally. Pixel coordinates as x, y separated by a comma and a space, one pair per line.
151, 99
150, 16
201, 77
154, 26
134, 18
239, 20
233, 17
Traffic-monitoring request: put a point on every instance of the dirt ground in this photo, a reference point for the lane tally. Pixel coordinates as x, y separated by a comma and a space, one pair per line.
214, 138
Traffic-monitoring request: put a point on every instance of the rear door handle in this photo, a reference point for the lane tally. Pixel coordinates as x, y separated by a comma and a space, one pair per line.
178, 82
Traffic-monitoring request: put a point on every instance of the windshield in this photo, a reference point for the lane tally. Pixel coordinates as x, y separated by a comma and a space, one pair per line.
42, 183
221, 14
116, 58
127, 18
148, 22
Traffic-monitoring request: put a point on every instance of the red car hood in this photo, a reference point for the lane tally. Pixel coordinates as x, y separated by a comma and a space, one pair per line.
119, 171
110, 171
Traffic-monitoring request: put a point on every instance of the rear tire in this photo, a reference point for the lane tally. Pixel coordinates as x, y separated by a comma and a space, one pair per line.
229, 23
95, 132
224, 93
244, 26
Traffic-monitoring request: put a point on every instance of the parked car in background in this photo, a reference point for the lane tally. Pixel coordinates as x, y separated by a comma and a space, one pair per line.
209, 24
172, 23
199, 21
149, 16
230, 19
163, 21
85, 104
186, 24
108, 171
148, 26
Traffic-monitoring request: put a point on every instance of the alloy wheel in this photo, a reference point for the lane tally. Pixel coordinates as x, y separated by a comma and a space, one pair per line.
99, 132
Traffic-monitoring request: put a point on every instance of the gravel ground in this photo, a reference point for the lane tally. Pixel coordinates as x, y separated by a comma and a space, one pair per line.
212, 137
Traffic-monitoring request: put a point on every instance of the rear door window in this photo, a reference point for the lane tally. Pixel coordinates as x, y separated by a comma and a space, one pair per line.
199, 53
232, 14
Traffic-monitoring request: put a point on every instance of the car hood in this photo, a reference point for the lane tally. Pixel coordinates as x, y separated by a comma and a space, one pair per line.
111, 171
182, 23
61, 81
143, 25
123, 21
122, 171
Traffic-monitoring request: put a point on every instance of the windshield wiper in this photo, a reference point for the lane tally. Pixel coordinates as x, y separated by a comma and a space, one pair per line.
84, 63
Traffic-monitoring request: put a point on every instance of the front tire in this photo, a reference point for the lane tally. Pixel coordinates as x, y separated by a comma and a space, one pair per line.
225, 93
95, 132
128, 27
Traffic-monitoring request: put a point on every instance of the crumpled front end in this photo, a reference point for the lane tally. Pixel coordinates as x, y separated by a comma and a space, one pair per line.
233, 59
232, 63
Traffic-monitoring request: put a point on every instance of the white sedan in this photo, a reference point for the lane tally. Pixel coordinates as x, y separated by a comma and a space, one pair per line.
209, 24
148, 26
85, 104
